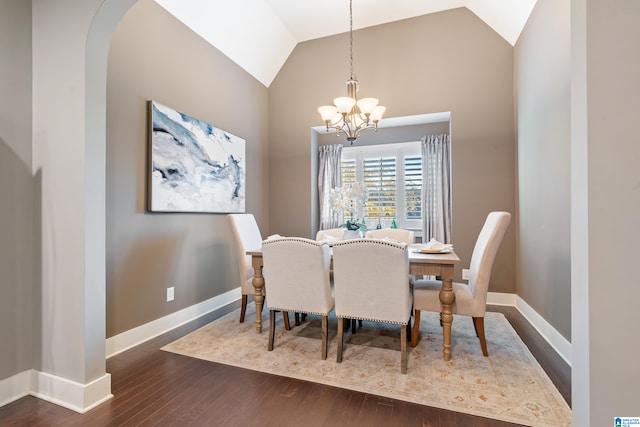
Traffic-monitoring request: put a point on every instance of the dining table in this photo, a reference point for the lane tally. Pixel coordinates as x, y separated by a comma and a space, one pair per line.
426, 264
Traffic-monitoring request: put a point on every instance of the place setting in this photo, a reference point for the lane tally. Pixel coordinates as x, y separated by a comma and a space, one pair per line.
433, 246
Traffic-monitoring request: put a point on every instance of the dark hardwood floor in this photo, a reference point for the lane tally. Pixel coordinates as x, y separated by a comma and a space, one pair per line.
156, 388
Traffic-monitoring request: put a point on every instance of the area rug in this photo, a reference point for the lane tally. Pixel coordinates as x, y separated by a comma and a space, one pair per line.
508, 385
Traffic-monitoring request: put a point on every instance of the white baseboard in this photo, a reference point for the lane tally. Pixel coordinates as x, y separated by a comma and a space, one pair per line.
15, 387
69, 394
133, 337
560, 344
497, 298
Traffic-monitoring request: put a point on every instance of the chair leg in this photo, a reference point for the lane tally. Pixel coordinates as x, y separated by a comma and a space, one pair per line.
354, 326
403, 349
325, 338
297, 317
478, 322
416, 328
243, 309
340, 338
285, 316
272, 329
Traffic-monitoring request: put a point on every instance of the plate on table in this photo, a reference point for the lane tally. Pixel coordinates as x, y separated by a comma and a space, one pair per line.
435, 251
419, 247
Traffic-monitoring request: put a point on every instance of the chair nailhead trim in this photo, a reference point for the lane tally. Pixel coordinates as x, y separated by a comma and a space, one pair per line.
294, 239
299, 311
368, 319
399, 245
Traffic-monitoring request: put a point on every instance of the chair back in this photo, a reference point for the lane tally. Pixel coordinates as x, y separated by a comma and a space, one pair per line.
483, 255
297, 273
248, 237
371, 280
331, 233
398, 234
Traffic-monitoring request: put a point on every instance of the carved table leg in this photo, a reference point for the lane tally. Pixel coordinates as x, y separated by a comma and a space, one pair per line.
447, 298
258, 284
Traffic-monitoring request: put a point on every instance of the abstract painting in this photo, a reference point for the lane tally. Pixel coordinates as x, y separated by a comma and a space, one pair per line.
194, 166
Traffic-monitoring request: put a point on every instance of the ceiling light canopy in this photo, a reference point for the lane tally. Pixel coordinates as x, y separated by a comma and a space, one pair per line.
349, 115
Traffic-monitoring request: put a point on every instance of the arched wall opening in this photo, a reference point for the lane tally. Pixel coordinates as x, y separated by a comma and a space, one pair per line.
69, 139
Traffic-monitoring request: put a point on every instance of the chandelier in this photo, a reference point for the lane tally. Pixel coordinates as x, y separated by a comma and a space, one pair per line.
349, 115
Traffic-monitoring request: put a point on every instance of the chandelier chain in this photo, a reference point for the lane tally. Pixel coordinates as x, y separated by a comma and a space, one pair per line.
351, 37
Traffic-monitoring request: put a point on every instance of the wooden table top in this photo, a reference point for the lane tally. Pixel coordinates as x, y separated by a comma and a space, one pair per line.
414, 257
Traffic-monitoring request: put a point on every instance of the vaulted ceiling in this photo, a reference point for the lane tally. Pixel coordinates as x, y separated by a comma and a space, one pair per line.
259, 35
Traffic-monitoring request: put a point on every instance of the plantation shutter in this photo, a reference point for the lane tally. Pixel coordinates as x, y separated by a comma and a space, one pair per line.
348, 171
380, 180
413, 187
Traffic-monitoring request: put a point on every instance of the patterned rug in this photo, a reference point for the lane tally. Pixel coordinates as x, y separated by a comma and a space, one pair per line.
508, 385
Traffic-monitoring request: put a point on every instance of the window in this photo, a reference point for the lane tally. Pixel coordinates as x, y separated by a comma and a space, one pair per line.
392, 174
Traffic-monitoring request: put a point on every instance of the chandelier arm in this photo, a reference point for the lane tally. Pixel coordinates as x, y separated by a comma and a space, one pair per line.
364, 117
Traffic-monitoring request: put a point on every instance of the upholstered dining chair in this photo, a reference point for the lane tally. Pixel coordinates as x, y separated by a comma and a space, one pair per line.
398, 234
370, 279
297, 271
331, 233
471, 299
248, 237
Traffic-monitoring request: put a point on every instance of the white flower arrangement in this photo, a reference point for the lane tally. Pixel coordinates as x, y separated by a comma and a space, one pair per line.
347, 200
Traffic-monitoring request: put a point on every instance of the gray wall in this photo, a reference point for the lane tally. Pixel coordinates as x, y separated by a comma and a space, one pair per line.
18, 266
604, 173
448, 61
605, 154
543, 81
154, 56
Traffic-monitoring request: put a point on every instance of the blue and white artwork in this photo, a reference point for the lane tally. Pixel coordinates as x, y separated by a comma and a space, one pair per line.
195, 167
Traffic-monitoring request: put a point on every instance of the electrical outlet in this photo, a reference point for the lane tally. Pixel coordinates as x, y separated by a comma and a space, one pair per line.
170, 294
465, 274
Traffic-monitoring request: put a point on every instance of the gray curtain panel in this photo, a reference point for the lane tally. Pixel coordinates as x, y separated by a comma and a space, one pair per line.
436, 188
328, 177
